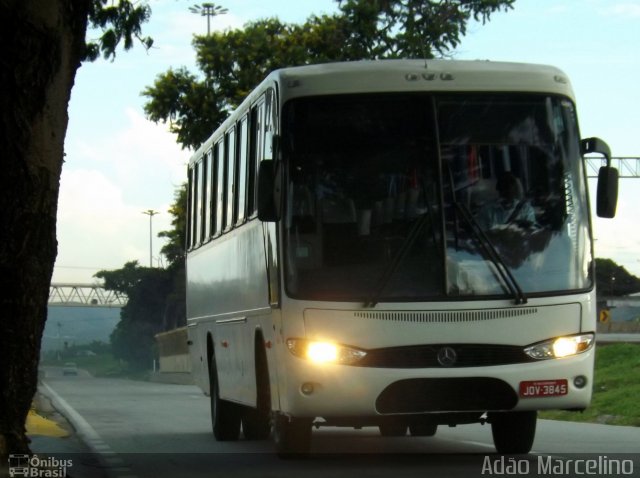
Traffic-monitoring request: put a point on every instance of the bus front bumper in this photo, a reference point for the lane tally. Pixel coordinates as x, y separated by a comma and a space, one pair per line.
333, 391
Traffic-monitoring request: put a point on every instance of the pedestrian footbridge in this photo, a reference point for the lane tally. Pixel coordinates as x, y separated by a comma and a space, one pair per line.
84, 295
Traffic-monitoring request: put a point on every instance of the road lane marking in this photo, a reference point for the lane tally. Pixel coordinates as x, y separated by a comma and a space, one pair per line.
114, 465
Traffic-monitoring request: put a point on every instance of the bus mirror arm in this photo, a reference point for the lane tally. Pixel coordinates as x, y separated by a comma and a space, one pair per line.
269, 190
607, 193
596, 145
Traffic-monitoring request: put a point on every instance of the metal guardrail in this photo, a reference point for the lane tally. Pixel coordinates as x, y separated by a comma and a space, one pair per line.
84, 295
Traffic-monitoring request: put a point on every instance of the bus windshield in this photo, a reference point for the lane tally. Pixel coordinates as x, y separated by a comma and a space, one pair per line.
412, 197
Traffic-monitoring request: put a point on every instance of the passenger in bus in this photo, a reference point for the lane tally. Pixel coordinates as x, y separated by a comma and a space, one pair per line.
510, 207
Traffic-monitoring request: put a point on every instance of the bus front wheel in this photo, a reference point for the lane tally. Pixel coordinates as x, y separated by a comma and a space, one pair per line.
256, 422
513, 432
225, 416
292, 436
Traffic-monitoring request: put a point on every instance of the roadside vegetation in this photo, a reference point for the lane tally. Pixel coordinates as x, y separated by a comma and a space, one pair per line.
96, 358
616, 388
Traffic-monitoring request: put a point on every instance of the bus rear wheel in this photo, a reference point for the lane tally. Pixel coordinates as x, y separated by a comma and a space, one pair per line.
513, 432
225, 416
292, 436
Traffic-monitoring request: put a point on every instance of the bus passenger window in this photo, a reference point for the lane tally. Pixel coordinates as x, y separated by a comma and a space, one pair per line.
254, 157
222, 187
241, 177
197, 216
230, 142
205, 192
190, 208
209, 202
269, 125
213, 196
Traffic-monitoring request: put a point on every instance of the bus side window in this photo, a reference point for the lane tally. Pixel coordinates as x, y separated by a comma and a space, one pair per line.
269, 124
213, 196
205, 192
206, 213
241, 176
198, 226
190, 208
230, 161
221, 210
256, 128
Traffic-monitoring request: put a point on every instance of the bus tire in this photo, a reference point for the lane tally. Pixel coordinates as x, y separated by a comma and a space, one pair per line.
513, 432
256, 422
225, 416
393, 429
292, 436
423, 429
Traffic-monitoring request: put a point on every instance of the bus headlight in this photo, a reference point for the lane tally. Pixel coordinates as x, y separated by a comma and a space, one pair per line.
324, 352
560, 347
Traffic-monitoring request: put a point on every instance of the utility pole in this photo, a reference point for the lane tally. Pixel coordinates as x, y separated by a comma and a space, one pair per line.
208, 10
150, 213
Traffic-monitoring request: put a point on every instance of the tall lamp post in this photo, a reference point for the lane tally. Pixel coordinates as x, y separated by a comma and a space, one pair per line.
208, 10
150, 213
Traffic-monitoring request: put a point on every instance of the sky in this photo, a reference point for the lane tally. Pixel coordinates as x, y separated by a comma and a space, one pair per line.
118, 164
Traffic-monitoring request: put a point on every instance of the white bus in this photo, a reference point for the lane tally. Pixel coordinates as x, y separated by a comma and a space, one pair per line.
399, 244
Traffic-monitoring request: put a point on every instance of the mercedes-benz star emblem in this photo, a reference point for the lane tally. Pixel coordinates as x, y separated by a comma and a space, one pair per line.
447, 357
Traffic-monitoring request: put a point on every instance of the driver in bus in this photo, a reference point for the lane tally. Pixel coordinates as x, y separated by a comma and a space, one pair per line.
510, 207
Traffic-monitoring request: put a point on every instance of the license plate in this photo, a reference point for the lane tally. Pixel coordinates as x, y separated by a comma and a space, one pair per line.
543, 388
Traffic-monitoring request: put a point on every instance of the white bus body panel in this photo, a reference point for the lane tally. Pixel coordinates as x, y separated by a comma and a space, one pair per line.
227, 299
419, 75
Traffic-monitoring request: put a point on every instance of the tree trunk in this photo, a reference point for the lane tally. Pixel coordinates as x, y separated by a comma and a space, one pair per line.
41, 43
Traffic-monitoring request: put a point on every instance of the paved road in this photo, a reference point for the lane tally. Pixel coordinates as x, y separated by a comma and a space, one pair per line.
147, 429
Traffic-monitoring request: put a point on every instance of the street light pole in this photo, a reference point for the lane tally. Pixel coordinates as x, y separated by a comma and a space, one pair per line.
150, 213
208, 10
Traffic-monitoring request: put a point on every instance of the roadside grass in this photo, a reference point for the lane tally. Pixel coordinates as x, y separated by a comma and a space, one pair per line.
100, 365
616, 388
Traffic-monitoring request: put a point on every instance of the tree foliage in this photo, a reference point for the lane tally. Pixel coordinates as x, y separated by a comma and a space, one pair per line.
614, 280
42, 44
156, 296
147, 289
233, 62
174, 249
120, 23
175, 313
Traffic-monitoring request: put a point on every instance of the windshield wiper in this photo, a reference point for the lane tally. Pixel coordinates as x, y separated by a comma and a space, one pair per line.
397, 259
490, 251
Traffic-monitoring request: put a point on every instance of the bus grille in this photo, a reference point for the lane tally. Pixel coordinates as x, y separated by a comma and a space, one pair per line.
447, 316
420, 395
426, 356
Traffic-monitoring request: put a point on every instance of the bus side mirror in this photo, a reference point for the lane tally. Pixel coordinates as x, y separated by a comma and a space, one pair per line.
269, 190
607, 194
607, 198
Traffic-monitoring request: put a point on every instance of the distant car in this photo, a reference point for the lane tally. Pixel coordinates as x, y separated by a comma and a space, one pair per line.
70, 368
